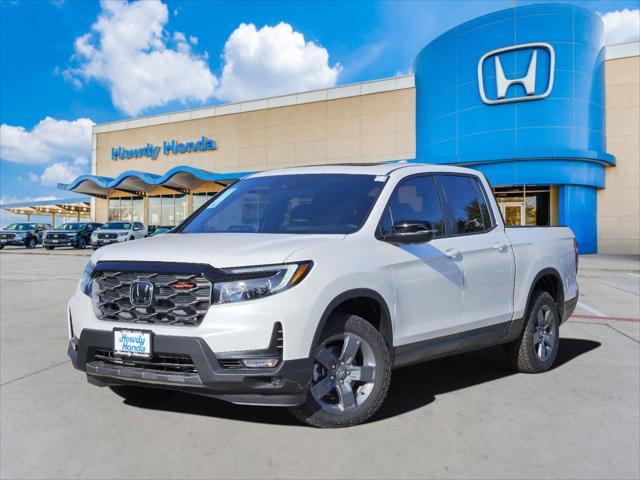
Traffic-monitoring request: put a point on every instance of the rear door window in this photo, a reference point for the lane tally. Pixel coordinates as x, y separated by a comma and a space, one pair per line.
467, 208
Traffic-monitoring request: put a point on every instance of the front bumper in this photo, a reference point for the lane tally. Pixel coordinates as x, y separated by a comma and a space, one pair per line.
285, 385
68, 242
100, 242
14, 242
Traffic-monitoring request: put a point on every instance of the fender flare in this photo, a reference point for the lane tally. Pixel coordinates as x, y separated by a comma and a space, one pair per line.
349, 295
517, 325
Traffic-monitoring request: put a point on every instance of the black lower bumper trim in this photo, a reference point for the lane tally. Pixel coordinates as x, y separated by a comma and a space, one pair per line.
285, 385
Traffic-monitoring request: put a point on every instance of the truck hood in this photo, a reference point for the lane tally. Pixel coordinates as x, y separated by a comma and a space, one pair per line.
221, 250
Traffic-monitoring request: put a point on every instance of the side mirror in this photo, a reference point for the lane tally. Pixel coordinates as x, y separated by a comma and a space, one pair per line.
410, 231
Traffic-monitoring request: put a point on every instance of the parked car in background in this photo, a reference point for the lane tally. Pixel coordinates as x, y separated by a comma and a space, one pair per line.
27, 235
310, 301
72, 234
160, 230
115, 232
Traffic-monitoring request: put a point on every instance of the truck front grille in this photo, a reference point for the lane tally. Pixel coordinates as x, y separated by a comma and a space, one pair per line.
107, 236
7, 236
57, 236
177, 299
165, 363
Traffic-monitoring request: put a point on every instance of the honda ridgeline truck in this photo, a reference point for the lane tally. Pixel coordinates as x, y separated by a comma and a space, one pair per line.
306, 287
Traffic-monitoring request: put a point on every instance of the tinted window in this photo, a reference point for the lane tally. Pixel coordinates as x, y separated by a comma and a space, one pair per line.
467, 210
482, 202
415, 199
21, 226
117, 226
306, 203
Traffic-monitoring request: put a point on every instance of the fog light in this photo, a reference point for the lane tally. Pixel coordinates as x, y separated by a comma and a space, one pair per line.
260, 362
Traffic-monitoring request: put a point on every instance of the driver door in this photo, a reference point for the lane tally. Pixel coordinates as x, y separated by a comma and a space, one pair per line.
428, 280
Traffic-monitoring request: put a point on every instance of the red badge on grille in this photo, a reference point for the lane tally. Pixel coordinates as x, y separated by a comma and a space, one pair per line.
183, 285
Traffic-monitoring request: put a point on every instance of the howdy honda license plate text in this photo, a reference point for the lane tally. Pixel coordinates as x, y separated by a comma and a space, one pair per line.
132, 343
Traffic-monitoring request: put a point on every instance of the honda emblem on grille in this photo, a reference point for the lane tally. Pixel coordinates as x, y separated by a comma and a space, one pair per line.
141, 294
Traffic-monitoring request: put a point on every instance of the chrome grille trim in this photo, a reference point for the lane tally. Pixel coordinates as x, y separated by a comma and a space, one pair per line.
110, 297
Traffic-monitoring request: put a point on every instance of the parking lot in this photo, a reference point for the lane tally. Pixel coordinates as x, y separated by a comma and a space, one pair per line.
465, 416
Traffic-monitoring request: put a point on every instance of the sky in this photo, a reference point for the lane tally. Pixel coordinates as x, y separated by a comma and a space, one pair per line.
66, 65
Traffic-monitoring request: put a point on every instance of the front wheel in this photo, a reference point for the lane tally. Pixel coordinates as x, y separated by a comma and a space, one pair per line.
82, 244
49, 248
351, 374
537, 348
31, 243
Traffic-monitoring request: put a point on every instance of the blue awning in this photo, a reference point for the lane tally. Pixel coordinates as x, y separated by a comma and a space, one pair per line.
133, 181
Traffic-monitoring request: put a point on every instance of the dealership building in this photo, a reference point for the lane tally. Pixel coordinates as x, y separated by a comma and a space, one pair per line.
529, 96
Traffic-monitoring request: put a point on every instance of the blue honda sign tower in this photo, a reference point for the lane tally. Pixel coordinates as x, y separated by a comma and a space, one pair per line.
519, 95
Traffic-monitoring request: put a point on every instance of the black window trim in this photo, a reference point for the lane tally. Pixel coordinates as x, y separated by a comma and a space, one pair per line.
448, 213
445, 225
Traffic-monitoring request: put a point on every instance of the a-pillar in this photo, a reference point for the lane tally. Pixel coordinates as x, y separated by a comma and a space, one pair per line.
578, 206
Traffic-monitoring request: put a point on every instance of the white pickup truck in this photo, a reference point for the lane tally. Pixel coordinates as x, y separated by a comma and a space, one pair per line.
306, 287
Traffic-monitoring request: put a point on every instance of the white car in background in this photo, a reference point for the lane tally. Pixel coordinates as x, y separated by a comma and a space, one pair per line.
115, 232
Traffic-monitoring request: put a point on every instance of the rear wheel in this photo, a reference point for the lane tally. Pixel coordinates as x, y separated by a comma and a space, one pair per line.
141, 394
31, 243
351, 374
537, 348
49, 248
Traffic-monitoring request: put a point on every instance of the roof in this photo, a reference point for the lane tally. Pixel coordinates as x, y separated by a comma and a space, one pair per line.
384, 168
179, 178
76, 206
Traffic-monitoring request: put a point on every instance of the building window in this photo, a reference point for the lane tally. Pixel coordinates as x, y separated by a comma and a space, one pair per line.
126, 208
524, 204
167, 210
201, 198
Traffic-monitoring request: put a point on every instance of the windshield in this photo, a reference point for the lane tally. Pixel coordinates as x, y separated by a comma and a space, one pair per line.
116, 226
22, 226
307, 203
71, 226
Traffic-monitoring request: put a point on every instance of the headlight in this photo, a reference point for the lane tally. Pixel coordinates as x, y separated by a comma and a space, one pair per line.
250, 283
123, 234
87, 279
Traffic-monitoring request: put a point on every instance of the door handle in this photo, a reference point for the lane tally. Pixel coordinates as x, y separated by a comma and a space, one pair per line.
501, 247
451, 253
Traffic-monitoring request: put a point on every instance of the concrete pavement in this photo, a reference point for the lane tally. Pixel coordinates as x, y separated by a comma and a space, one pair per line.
465, 416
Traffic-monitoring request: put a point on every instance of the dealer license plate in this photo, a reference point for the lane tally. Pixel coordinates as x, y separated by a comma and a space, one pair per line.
132, 343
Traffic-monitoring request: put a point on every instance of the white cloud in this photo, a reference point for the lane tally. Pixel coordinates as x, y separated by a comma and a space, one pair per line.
49, 140
273, 61
621, 26
128, 50
61, 172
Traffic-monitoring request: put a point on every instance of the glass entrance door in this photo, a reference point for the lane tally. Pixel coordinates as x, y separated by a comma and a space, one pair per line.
513, 213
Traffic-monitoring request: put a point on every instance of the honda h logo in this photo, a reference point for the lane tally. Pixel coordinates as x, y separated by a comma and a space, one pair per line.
528, 81
141, 294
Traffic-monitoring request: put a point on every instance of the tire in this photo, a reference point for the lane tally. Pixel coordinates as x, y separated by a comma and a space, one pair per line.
531, 352
142, 394
131, 238
82, 244
1, 247
31, 243
366, 375
49, 248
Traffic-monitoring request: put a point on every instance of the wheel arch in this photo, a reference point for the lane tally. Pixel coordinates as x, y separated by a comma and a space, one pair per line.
548, 280
363, 302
